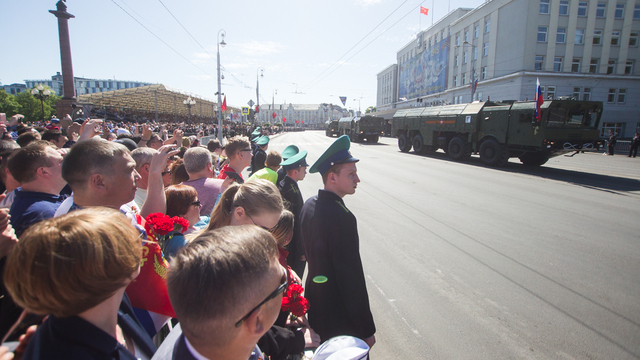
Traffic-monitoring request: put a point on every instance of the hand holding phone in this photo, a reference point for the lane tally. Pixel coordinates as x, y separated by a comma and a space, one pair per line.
3, 118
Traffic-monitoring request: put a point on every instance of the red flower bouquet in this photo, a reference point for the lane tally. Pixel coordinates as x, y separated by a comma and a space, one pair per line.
294, 302
162, 227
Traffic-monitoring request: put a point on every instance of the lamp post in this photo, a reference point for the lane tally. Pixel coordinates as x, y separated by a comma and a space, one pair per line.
358, 105
473, 70
189, 102
220, 42
39, 92
259, 74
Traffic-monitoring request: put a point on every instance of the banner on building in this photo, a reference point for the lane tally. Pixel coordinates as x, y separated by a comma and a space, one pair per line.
425, 73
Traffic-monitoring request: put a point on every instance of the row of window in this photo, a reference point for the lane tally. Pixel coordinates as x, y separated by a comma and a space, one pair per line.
579, 38
476, 32
601, 9
474, 54
463, 77
615, 96
576, 64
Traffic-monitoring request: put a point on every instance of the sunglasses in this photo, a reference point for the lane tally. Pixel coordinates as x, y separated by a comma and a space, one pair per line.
275, 293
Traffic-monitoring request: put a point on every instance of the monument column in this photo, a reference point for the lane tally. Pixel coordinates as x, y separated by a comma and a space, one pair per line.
69, 97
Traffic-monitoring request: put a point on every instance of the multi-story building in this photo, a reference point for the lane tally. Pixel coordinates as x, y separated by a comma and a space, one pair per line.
582, 49
84, 85
14, 89
314, 115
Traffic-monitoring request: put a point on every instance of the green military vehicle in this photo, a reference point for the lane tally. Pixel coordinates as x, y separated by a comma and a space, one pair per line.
332, 128
500, 130
360, 128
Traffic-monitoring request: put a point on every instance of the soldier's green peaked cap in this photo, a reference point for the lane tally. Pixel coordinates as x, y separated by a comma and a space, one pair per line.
263, 140
295, 161
289, 151
337, 153
257, 131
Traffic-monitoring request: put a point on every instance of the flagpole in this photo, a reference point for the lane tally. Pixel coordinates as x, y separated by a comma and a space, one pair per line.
432, 5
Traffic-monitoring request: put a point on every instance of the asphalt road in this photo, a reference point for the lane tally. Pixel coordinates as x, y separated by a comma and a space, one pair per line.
465, 261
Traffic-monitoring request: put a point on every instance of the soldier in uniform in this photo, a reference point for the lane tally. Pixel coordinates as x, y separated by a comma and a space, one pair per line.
335, 285
260, 155
296, 170
288, 152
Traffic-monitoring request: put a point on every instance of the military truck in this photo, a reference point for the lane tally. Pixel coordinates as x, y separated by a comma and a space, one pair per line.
500, 130
360, 128
332, 128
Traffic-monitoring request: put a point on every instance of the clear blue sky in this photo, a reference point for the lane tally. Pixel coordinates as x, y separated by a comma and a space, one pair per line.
298, 43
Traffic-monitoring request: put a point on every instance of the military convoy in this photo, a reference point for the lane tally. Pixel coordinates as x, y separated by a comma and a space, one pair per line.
500, 130
359, 129
332, 128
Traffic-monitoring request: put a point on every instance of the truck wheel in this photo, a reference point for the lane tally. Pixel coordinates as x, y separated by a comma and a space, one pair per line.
374, 139
533, 159
418, 144
403, 143
493, 154
459, 149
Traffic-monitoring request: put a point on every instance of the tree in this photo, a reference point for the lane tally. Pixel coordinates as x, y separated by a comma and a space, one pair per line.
8, 104
370, 109
31, 107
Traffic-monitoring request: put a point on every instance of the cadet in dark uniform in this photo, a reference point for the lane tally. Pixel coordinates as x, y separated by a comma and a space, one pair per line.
260, 155
296, 170
288, 152
335, 286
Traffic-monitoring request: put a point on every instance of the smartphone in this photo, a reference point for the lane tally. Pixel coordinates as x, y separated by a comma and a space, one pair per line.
3, 118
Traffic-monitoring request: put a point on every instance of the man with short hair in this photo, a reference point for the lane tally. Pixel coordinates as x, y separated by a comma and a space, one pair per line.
226, 287
55, 137
238, 150
335, 286
260, 154
142, 156
37, 168
296, 170
197, 163
269, 172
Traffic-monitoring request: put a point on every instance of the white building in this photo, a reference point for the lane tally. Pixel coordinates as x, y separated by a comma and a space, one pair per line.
84, 85
314, 115
583, 49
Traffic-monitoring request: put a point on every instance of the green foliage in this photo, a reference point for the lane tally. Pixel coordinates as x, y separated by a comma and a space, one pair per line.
31, 107
370, 109
8, 104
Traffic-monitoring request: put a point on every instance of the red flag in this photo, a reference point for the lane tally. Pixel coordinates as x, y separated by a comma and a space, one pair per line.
257, 109
284, 119
224, 104
424, 10
273, 115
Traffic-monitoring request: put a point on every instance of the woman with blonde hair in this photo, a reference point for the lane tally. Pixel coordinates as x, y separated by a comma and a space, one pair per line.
75, 268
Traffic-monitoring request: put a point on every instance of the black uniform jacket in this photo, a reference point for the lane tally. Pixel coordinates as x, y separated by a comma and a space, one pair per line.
257, 162
294, 201
339, 306
75, 338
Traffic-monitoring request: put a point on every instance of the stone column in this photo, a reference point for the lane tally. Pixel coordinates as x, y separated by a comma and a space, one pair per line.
69, 97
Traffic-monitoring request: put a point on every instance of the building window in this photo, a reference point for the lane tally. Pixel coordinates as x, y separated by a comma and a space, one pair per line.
575, 65
600, 10
544, 6
582, 9
466, 36
564, 7
484, 73
628, 68
542, 34
636, 12
455, 80
586, 94
436, 37
611, 67
539, 62
633, 38
557, 63
487, 26
597, 37
457, 40
485, 49
608, 127
576, 93
593, 66
475, 53
455, 61
619, 14
561, 35
615, 38
464, 57
464, 78
611, 99
551, 92
622, 94
476, 31
579, 39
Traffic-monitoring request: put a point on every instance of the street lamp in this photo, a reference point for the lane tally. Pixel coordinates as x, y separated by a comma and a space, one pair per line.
359, 113
259, 74
220, 42
39, 92
189, 102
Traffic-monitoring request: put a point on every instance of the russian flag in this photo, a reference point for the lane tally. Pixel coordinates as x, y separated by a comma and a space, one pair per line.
538, 99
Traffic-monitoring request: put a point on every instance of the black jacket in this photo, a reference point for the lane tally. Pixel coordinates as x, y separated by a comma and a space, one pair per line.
293, 202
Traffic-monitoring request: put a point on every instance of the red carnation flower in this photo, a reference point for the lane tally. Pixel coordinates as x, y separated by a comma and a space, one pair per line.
294, 290
178, 221
163, 226
299, 307
285, 304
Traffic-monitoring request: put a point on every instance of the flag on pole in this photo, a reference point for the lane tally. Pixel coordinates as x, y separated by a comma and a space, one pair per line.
539, 99
344, 100
424, 10
224, 104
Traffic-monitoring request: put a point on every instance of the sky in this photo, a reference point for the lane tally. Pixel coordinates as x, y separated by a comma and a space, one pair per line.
311, 51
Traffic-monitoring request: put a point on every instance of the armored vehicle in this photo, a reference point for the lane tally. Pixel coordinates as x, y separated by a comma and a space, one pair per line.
500, 130
332, 128
360, 128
